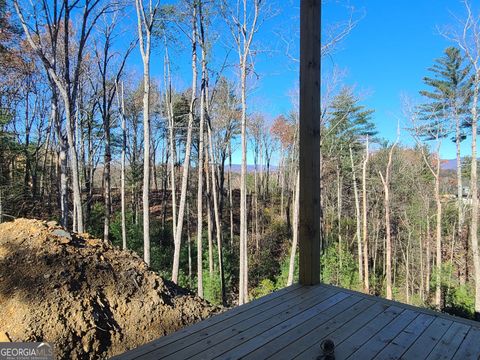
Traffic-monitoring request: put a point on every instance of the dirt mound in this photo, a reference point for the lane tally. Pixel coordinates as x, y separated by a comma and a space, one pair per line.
90, 299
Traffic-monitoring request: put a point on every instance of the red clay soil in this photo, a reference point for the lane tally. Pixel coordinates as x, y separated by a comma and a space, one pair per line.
88, 298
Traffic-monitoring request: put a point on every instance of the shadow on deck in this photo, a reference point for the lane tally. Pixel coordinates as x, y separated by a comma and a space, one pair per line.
293, 323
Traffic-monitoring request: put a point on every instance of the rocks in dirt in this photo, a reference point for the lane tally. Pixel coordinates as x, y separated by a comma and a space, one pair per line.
88, 298
64, 235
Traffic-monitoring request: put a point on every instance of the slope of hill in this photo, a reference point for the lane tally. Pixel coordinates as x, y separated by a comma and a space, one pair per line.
88, 298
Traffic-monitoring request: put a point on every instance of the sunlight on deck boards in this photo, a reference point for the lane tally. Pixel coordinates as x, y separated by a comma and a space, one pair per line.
293, 322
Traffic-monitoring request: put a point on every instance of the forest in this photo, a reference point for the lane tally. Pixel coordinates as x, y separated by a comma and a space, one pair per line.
172, 159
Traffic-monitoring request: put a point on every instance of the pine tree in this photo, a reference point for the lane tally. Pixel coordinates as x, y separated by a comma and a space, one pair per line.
348, 124
449, 96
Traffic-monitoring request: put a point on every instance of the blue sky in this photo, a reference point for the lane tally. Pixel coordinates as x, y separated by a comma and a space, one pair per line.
385, 56
389, 52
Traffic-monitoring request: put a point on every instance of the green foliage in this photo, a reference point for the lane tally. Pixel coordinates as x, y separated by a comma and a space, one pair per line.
282, 278
95, 221
265, 287
339, 267
449, 95
348, 121
211, 287
266, 263
161, 253
460, 301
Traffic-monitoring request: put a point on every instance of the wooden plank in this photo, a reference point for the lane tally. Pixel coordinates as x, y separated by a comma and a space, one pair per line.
311, 349
311, 329
356, 340
212, 335
450, 342
406, 338
222, 343
253, 306
309, 144
410, 307
373, 346
260, 341
470, 347
427, 341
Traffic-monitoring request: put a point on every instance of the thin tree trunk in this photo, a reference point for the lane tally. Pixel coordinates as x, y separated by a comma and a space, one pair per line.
365, 225
200, 190
144, 27
339, 216
358, 219
123, 165
458, 140
186, 163
171, 140
438, 236
230, 192
218, 222
428, 257
209, 217
388, 239
474, 196
189, 243
291, 267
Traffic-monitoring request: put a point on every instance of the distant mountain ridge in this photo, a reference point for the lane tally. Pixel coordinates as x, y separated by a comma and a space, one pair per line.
449, 164
237, 168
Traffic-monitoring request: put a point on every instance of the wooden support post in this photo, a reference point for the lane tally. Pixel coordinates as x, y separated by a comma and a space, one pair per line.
310, 211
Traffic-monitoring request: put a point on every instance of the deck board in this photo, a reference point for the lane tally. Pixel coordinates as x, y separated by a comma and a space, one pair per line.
293, 322
204, 347
307, 331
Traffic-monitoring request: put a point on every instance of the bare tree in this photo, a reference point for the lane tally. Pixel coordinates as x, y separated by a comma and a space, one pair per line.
201, 136
366, 275
468, 39
105, 58
188, 146
432, 129
171, 137
243, 21
291, 267
121, 105
145, 23
55, 49
357, 217
388, 237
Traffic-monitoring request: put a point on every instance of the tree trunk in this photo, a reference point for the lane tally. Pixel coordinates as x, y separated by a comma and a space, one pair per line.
358, 220
291, 267
77, 200
230, 192
428, 257
474, 196
209, 217
146, 163
171, 141
106, 178
438, 236
186, 163
243, 288
365, 224
123, 160
200, 189
388, 239
218, 222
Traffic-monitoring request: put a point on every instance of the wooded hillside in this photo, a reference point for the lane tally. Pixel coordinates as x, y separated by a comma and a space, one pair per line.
180, 169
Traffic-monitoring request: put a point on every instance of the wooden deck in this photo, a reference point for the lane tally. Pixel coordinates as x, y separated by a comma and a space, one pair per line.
293, 322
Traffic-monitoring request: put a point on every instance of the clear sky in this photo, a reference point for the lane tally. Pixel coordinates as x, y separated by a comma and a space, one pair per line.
384, 57
389, 52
